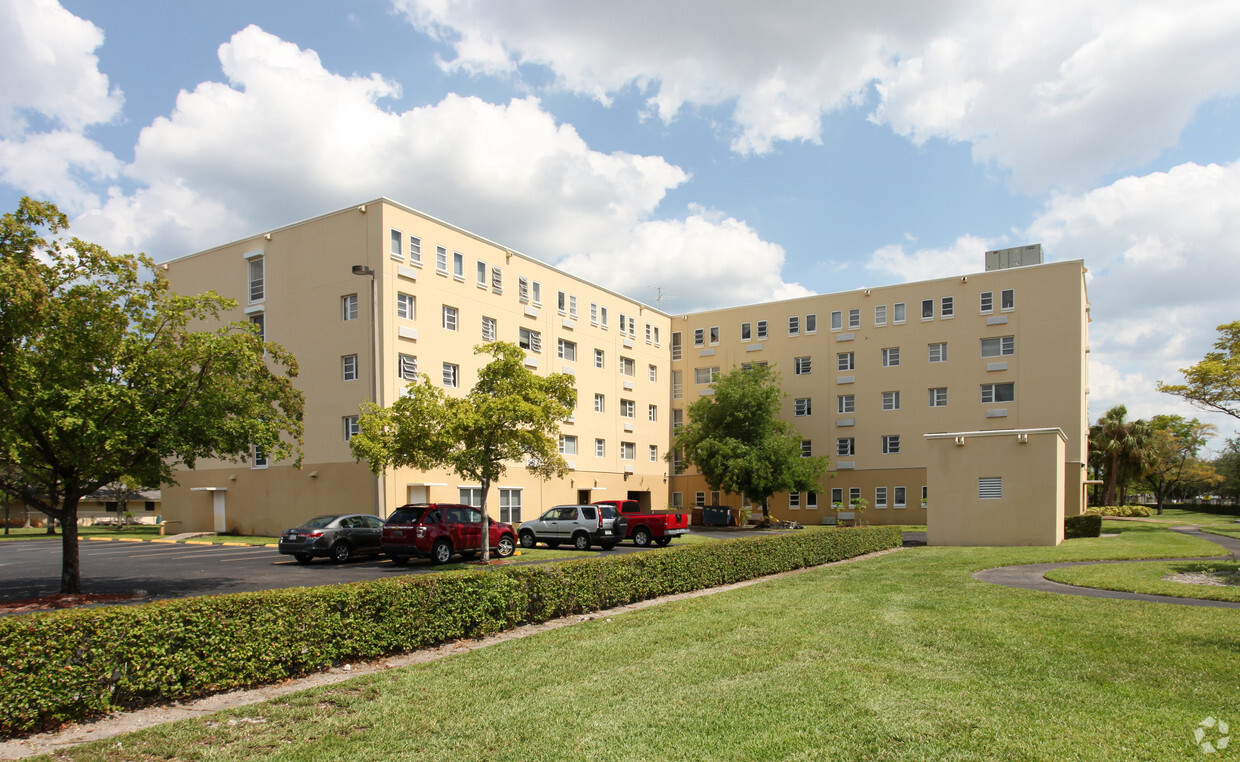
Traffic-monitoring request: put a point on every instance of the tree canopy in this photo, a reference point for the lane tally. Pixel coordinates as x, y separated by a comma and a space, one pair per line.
512, 415
1119, 450
738, 442
1174, 464
101, 375
1214, 383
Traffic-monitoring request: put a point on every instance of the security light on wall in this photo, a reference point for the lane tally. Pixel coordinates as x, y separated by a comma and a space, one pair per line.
1022, 438
959, 441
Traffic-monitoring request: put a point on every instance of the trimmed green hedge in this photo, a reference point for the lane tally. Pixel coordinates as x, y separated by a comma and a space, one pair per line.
1081, 526
1119, 510
70, 665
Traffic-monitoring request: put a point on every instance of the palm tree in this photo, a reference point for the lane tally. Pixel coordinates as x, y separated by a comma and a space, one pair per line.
1122, 448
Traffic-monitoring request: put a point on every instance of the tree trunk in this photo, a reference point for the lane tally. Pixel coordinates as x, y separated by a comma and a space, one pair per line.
486, 523
70, 568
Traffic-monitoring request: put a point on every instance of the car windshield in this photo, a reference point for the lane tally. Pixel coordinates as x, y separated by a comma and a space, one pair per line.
320, 521
406, 516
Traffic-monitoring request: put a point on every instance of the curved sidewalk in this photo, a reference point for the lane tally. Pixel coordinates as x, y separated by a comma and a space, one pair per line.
1031, 576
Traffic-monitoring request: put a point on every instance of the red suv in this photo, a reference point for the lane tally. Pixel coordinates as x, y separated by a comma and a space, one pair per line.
438, 530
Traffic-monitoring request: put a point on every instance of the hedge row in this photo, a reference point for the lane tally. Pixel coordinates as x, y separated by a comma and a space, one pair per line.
1119, 510
1082, 526
70, 665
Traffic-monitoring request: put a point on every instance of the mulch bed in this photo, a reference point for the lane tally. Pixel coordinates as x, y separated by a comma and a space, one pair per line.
62, 601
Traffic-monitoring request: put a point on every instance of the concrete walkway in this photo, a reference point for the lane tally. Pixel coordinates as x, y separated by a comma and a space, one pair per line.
1032, 576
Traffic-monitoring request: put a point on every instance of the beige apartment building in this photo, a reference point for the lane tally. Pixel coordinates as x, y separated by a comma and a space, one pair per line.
439, 291
874, 377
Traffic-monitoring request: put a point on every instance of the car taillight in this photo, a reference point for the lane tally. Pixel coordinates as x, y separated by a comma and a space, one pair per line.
314, 534
600, 519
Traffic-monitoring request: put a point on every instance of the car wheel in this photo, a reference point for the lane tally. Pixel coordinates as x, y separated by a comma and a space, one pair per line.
641, 537
399, 560
582, 542
663, 541
341, 552
553, 543
441, 552
506, 546
607, 545
303, 558
528, 540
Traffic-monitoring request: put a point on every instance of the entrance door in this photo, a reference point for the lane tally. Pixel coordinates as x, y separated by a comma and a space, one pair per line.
583, 497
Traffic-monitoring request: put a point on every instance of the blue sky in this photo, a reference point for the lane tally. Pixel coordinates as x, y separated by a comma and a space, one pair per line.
725, 152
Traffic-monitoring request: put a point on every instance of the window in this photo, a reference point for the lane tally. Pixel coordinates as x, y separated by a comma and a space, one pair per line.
509, 505
593, 313
628, 451
844, 361
677, 346
652, 412
523, 290
404, 306
705, 375
561, 301
854, 319
471, 496
699, 499
927, 309
626, 408
572, 306
656, 335
600, 403
451, 375
987, 301
1007, 299
746, 331
598, 358
678, 384
602, 317
761, 330
530, 341
880, 497
497, 280
801, 406
714, 334
897, 313
458, 265
999, 346
449, 318
938, 397
811, 500
628, 367
348, 365
566, 350
649, 333
259, 321
837, 495
880, 314
397, 245
257, 287
948, 307
415, 250
794, 500
837, 320
807, 448
989, 488
654, 373
258, 458
351, 427
854, 493
678, 420
811, 324
488, 329
568, 444
845, 446
938, 352
998, 392
633, 329
925, 495
407, 367
891, 357
600, 448
678, 500
624, 321
348, 307
441, 260
482, 273
846, 403
802, 365
699, 337
891, 444
900, 496
654, 453
794, 325
891, 400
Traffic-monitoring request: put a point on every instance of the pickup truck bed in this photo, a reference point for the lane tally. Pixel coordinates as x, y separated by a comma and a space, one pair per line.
647, 527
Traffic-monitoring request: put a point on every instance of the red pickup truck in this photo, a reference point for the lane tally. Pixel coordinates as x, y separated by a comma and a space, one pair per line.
661, 528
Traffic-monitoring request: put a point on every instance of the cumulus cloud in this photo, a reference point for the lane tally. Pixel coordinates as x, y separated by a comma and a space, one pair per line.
1057, 92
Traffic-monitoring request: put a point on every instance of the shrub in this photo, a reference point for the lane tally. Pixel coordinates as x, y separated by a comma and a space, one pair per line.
1082, 526
1119, 510
70, 665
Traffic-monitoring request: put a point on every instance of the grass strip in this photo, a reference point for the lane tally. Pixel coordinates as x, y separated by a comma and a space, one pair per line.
1148, 578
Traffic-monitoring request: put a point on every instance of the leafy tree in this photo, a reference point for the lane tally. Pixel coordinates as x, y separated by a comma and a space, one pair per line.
1174, 446
1122, 451
511, 415
101, 376
1214, 383
1227, 465
122, 490
737, 440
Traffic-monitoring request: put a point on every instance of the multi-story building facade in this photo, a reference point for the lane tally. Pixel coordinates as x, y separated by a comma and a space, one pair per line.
369, 296
439, 291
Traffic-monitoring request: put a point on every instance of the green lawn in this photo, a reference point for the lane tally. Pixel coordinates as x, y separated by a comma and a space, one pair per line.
144, 531
1227, 530
1184, 516
1148, 578
904, 656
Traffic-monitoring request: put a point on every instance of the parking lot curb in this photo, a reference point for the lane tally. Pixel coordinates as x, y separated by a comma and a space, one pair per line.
165, 541
198, 542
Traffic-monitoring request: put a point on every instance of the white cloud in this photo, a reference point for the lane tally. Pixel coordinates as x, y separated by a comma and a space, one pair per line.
1058, 91
965, 255
50, 69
